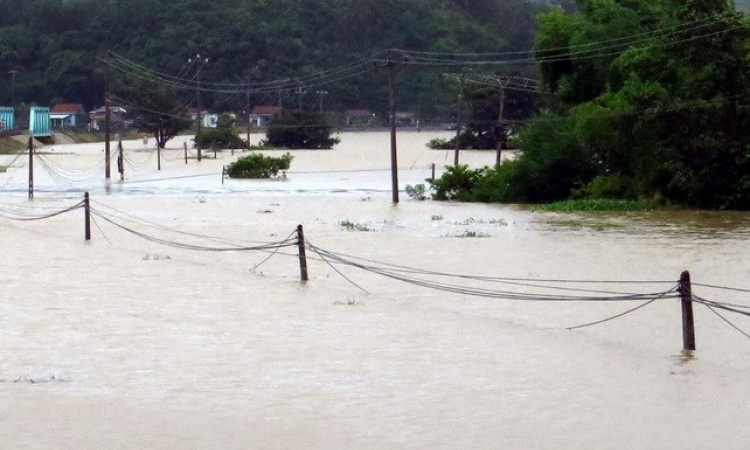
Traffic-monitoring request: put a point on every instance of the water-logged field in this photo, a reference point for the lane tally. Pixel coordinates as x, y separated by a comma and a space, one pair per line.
128, 343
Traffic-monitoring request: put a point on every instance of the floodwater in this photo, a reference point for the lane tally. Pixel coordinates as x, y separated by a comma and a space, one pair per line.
127, 343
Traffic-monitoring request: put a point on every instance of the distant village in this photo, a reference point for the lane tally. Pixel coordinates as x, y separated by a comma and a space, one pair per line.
44, 121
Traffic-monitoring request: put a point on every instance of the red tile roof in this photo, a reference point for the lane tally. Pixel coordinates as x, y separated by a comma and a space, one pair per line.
266, 110
67, 108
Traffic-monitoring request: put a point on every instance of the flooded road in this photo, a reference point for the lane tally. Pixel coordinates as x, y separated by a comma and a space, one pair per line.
202, 338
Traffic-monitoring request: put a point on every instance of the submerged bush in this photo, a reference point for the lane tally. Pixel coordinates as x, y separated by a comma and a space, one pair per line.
220, 138
258, 166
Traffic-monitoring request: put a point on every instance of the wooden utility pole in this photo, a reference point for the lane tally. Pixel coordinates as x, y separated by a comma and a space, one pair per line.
457, 143
501, 135
688, 324
86, 217
391, 65
199, 122
31, 166
300, 92
302, 255
13, 73
120, 161
248, 118
107, 117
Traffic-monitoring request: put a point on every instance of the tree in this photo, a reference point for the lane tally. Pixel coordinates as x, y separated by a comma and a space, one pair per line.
155, 109
300, 129
650, 94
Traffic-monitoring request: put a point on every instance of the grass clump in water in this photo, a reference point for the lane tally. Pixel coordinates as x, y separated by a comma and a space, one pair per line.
351, 226
600, 204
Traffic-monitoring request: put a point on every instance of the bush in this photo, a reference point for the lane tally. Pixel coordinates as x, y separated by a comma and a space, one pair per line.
456, 183
417, 192
258, 166
308, 130
607, 187
220, 138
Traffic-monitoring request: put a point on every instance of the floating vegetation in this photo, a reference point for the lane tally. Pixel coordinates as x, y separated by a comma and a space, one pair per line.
349, 302
473, 221
156, 257
351, 226
29, 380
469, 234
417, 192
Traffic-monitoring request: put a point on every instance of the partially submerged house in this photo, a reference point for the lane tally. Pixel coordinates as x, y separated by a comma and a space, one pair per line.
117, 119
208, 120
67, 115
262, 114
359, 117
7, 118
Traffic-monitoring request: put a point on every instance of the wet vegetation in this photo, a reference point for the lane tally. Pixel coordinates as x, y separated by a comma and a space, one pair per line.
599, 204
257, 165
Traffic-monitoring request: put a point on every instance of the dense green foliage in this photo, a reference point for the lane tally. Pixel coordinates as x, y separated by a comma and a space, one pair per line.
300, 129
221, 137
257, 165
662, 116
57, 45
481, 105
599, 204
154, 110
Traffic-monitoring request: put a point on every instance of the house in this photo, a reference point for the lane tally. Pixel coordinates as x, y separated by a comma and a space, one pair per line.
406, 119
359, 117
261, 115
67, 115
7, 117
117, 119
208, 120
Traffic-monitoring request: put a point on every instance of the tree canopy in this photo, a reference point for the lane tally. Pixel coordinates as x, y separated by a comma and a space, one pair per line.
649, 100
58, 45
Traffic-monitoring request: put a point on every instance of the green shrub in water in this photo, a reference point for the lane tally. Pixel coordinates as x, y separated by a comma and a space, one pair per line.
258, 166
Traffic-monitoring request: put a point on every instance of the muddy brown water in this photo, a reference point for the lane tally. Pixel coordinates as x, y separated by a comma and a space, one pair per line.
126, 343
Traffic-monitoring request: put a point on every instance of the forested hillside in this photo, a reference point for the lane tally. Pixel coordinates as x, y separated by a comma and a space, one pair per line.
55, 48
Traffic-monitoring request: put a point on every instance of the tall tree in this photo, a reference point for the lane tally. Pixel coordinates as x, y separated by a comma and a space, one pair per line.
654, 94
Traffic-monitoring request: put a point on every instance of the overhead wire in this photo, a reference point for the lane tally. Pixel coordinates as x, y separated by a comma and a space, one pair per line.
481, 292
192, 247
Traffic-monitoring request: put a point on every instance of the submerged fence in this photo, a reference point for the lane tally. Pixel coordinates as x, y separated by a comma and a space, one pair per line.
500, 288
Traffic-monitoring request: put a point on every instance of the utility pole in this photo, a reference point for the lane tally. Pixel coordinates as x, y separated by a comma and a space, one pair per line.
300, 92
321, 94
199, 119
121, 161
31, 165
247, 103
457, 143
107, 118
390, 64
392, 119
501, 134
13, 73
